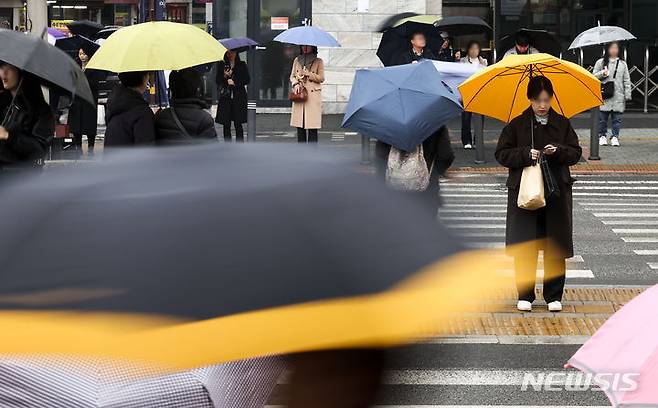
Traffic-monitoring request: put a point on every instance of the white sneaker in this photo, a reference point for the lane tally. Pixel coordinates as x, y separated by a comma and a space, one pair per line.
603, 141
468, 146
555, 306
524, 306
614, 141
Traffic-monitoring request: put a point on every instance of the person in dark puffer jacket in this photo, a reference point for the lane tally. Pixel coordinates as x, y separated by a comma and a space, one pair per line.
189, 108
129, 118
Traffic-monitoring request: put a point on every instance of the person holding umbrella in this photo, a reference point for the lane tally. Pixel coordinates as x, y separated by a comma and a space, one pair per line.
613, 73
27, 123
521, 45
473, 57
417, 51
83, 117
231, 77
130, 120
306, 78
540, 130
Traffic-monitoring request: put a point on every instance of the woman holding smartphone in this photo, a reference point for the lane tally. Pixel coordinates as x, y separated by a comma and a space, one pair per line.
549, 228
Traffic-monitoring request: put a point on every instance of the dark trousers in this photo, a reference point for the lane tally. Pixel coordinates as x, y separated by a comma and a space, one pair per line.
467, 135
77, 141
239, 133
555, 269
302, 136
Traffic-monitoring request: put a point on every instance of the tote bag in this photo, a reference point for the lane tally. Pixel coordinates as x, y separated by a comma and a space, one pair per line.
531, 190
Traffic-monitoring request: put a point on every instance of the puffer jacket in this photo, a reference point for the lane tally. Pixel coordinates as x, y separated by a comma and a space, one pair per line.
198, 123
622, 81
129, 118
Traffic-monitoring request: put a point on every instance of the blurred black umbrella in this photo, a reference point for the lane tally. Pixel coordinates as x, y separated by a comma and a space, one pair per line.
85, 28
51, 64
398, 31
463, 25
222, 253
542, 40
71, 45
394, 19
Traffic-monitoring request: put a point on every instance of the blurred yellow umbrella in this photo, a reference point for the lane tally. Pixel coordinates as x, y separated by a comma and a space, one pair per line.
160, 45
499, 91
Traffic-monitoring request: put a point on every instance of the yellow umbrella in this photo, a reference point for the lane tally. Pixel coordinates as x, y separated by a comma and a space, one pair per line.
499, 91
160, 45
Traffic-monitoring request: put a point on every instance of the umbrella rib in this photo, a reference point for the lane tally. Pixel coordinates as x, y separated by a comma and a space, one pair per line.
482, 87
516, 91
556, 97
579, 80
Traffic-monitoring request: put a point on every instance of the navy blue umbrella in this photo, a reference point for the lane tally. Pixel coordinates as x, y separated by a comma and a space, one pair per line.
401, 105
238, 44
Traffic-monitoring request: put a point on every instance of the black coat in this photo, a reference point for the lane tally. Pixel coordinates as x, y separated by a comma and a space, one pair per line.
190, 112
445, 54
232, 100
31, 128
129, 118
513, 152
409, 56
83, 116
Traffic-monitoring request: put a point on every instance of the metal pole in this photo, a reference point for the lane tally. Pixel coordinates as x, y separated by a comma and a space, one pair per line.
251, 121
580, 57
365, 149
646, 78
478, 139
594, 135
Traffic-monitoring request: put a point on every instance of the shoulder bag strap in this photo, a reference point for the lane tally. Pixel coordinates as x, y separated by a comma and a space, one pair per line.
178, 123
616, 68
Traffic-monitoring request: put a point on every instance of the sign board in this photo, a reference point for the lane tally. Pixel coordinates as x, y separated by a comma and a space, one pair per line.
279, 23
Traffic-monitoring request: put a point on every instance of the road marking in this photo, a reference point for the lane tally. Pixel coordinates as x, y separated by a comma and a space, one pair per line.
653, 265
646, 251
474, 195
571, 273
630, 215
615, 188
474, 205
472, 218
640, 239
482, 235
613, 195
625, 222
485, 245
450, 210
474, 226
635, 231
489, 187
479, 406
617, 181
618, 204
461, 377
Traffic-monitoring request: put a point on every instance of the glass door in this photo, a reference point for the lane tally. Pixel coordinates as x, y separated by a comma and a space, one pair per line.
271, 63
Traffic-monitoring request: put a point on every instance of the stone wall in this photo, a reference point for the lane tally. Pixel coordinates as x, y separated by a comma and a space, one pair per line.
357, 34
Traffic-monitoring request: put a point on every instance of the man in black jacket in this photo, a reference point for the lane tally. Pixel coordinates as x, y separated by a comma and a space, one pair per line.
129, 118
417, 51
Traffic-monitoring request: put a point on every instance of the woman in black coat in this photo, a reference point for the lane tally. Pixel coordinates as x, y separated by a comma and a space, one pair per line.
27, 124
549, 228
186, 120
83, 117
232, 76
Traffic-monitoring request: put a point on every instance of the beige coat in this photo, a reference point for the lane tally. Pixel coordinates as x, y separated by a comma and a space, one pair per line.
308, 115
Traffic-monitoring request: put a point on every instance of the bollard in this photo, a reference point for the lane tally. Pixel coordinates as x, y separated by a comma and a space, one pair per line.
478, 138
251, 121
365, 149
594, 135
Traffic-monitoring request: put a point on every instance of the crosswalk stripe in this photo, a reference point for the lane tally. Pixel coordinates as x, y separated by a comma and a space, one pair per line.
617, 204
474, 195
635, 231
628, 222
646, 251
653, 265
482, 235
460, 377
639, 239
473, 218
485, 245
476, 226
483, 406
474, 205
617, 181
475, 187
571, 273
450, 210
576, 194
630, 215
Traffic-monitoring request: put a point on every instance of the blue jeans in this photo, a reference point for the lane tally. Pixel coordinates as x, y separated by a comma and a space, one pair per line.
467, 136
603, 123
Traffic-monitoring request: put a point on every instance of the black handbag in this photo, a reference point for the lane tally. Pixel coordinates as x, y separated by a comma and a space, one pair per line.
608, 87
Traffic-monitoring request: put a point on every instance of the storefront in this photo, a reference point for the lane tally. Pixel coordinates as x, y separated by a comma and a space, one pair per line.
12, 14
91, 10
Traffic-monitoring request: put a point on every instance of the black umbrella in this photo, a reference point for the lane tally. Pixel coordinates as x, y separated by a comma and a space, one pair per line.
542, 40
71, 45
205, 254
85, 28
395, 40
391, 21
463, 25
106, 32
239, 44
49, 63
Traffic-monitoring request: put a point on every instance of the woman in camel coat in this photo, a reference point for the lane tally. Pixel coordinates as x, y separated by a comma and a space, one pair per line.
307, 72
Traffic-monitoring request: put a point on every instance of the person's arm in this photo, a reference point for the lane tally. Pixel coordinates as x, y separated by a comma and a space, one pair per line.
144, 129
319, 76
569, 152
34, 144
241, 77
206, 129
509, 154
293, 77
598, 69
628, 87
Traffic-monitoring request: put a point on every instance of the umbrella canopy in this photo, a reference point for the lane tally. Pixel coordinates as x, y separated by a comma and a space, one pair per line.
71, 45
106, 32
157, 45
395, 40
307, 35
455, 74
207, 249
238, 44
391, 21
52, 65
600, 35
54, 34
499, 91
85, 28
542, 40
401, 106
463, 25
626, 344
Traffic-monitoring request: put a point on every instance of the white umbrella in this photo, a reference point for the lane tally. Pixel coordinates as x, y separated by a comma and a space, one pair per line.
600, 35
454, 74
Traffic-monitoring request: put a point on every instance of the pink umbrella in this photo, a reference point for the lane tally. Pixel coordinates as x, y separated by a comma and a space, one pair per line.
622, 356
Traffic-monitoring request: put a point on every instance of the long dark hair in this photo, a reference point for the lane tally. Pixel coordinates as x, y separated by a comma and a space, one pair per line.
606, 56
237, 57
29, 94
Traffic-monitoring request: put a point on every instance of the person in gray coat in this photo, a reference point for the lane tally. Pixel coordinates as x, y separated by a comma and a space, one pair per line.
611, 68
